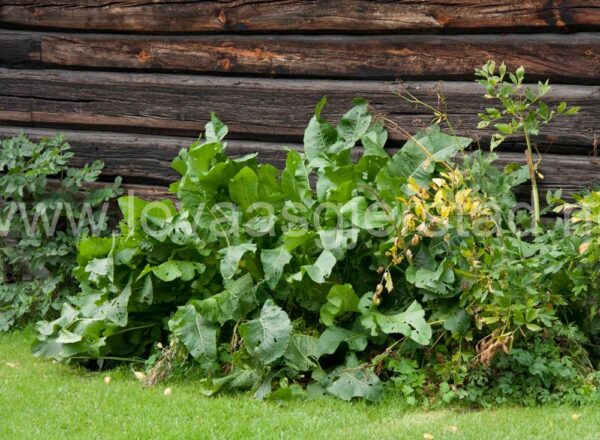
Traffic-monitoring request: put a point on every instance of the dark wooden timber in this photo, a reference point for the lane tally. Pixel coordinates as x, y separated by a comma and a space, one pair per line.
146, 158
564, 58
342, 16
263, 109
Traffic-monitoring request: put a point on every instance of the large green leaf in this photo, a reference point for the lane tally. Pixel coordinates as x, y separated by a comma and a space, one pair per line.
232, 304
302, 352
231, 256
295, 181
357, 383
374, 140
320, 135
340, 299
197, 334
173, 269
273, 261
361, 215
200, 158
215, 130
410, 323
243, 188
266, 338
321, 269
332, 337
355, 123
418, 157
438, 281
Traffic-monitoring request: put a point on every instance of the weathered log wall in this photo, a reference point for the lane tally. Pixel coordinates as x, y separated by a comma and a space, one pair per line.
133, 81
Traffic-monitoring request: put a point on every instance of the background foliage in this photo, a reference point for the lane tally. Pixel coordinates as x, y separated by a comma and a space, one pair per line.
41, 223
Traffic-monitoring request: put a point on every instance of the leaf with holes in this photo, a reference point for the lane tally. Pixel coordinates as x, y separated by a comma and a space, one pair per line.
197, 334
266, 338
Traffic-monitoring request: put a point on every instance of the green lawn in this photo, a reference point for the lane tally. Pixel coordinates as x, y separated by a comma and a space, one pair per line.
39, 399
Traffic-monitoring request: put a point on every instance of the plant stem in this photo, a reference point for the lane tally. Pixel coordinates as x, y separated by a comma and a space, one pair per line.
532, 173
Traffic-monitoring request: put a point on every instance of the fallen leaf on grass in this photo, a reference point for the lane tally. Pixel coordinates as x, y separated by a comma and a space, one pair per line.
11, 365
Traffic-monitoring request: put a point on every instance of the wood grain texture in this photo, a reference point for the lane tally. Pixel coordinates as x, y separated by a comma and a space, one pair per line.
146, 158
263, 109
142, 158
348, 16
564, 58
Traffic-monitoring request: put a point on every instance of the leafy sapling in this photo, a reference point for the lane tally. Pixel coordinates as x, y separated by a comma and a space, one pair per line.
522, 111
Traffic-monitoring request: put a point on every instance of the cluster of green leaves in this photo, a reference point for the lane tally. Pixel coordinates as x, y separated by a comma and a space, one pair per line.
346, 269
522, 113
267, 277
492, 287
40, 223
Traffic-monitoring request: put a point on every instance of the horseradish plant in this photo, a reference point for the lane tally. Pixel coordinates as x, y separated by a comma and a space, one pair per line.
339, 272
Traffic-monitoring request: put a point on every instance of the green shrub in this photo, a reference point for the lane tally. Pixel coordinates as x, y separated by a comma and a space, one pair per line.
40, 224
342, 271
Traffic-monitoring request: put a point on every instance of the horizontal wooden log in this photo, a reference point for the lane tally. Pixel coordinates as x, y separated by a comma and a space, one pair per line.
564, 58
146, 159
192, 16
263, 109
142, 158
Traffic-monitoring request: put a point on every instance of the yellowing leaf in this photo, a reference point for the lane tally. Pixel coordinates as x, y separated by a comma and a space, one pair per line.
413, 185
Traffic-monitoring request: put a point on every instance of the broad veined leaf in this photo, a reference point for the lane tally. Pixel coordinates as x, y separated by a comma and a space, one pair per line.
364, 216
232, 304
273, 261
302, 352
215, 130
438, 281
93, 247
355, 123
410, 323
197, 334
340, 299
231, 256
320, 135
269, 186
457, 321
240, 379
200, 158
295, 181
266, 338
357, 383
243, 188
418, 157
332, 337
173, 269
101, 268
374, 140
321, 269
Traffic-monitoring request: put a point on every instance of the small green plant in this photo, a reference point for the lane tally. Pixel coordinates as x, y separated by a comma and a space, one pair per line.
45, 207
522, 112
